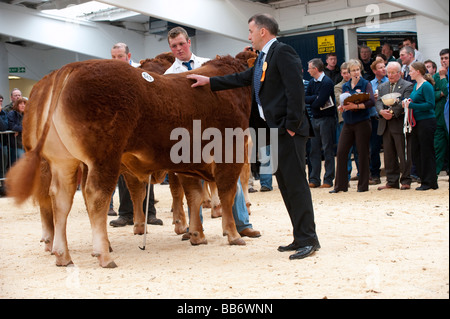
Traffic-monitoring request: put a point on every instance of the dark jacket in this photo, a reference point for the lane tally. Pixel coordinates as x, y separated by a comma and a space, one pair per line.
281, 93
334, 75
15, 124
317, 94
356, 116
3, 121
396, 123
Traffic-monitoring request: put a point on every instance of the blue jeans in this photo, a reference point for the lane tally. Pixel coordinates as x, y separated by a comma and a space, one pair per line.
240, 212
239, 209
323, 143
265, 170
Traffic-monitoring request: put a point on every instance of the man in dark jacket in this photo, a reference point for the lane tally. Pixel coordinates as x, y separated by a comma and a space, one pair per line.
320, 97
278, 102
331, 69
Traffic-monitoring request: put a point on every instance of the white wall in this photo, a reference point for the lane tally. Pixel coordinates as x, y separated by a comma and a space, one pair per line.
209, 45
432, 37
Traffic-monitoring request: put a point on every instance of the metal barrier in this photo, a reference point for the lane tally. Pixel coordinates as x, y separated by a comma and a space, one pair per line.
8, 152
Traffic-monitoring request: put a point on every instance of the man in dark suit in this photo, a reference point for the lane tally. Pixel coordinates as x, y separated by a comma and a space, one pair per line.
277, 76
397, 164
320, 96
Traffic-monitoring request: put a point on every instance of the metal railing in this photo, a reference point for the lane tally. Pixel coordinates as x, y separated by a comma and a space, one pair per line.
8, 148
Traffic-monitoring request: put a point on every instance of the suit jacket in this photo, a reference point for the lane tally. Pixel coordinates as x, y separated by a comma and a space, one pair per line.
396, 123
281, 93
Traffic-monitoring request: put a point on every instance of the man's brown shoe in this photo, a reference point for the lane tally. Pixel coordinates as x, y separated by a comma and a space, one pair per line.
325, 185
312, 185
250, 232
405, 186
386, 187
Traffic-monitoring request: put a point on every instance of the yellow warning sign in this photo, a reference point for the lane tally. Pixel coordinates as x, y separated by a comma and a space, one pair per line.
373, 44
326, 44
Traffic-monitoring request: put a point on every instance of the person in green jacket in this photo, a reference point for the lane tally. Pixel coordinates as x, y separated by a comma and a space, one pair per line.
421, 102
441, 94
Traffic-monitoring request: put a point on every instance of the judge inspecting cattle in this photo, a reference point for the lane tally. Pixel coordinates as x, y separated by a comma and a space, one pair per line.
82, 129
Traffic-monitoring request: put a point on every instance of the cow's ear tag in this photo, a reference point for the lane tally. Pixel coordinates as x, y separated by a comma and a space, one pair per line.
147, 77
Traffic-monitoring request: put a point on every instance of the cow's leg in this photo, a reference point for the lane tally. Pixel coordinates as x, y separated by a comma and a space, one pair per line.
193, 190
48, 230
245, 176
100, 183
62, 189
45, 206
227, 186
179, 216
216, 207
246, 173
137, 193
206, 195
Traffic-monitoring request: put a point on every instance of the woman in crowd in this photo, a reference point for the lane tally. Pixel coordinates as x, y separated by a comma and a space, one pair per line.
421, 102
357, 129
15, 124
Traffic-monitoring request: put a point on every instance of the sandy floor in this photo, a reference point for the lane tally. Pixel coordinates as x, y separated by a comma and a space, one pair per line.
378, 244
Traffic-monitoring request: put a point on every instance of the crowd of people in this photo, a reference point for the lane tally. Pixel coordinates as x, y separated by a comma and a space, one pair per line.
11, 147
372, 95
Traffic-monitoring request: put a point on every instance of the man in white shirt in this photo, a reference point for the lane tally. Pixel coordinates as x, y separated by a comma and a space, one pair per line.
180, 44
185, 60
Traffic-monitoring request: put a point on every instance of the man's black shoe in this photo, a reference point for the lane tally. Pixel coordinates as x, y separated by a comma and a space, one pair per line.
304, 252
121, 222
152, 220
289, 247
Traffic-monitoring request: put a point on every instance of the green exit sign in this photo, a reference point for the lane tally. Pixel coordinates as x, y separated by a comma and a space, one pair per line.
18, 69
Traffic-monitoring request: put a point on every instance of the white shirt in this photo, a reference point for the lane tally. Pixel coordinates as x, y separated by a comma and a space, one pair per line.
320, 78
134, 64
178, 67
418, 55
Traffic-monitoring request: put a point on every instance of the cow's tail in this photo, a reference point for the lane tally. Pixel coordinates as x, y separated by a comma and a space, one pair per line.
23, 179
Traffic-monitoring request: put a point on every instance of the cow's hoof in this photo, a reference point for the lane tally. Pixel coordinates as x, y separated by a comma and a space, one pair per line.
111, 264
198, 239
238, 241
139, 229
68, 264
180, 228
216, 211
48, 245
206, 204
62, 258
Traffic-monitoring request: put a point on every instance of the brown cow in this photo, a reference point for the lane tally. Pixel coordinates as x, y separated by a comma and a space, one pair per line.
83, 113
160, 64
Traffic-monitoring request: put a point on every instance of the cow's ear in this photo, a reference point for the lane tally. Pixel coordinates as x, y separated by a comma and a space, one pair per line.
251, 62
217, 57
142, 61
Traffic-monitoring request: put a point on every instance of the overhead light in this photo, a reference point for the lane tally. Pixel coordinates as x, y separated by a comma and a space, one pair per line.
13, 77
79, 11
